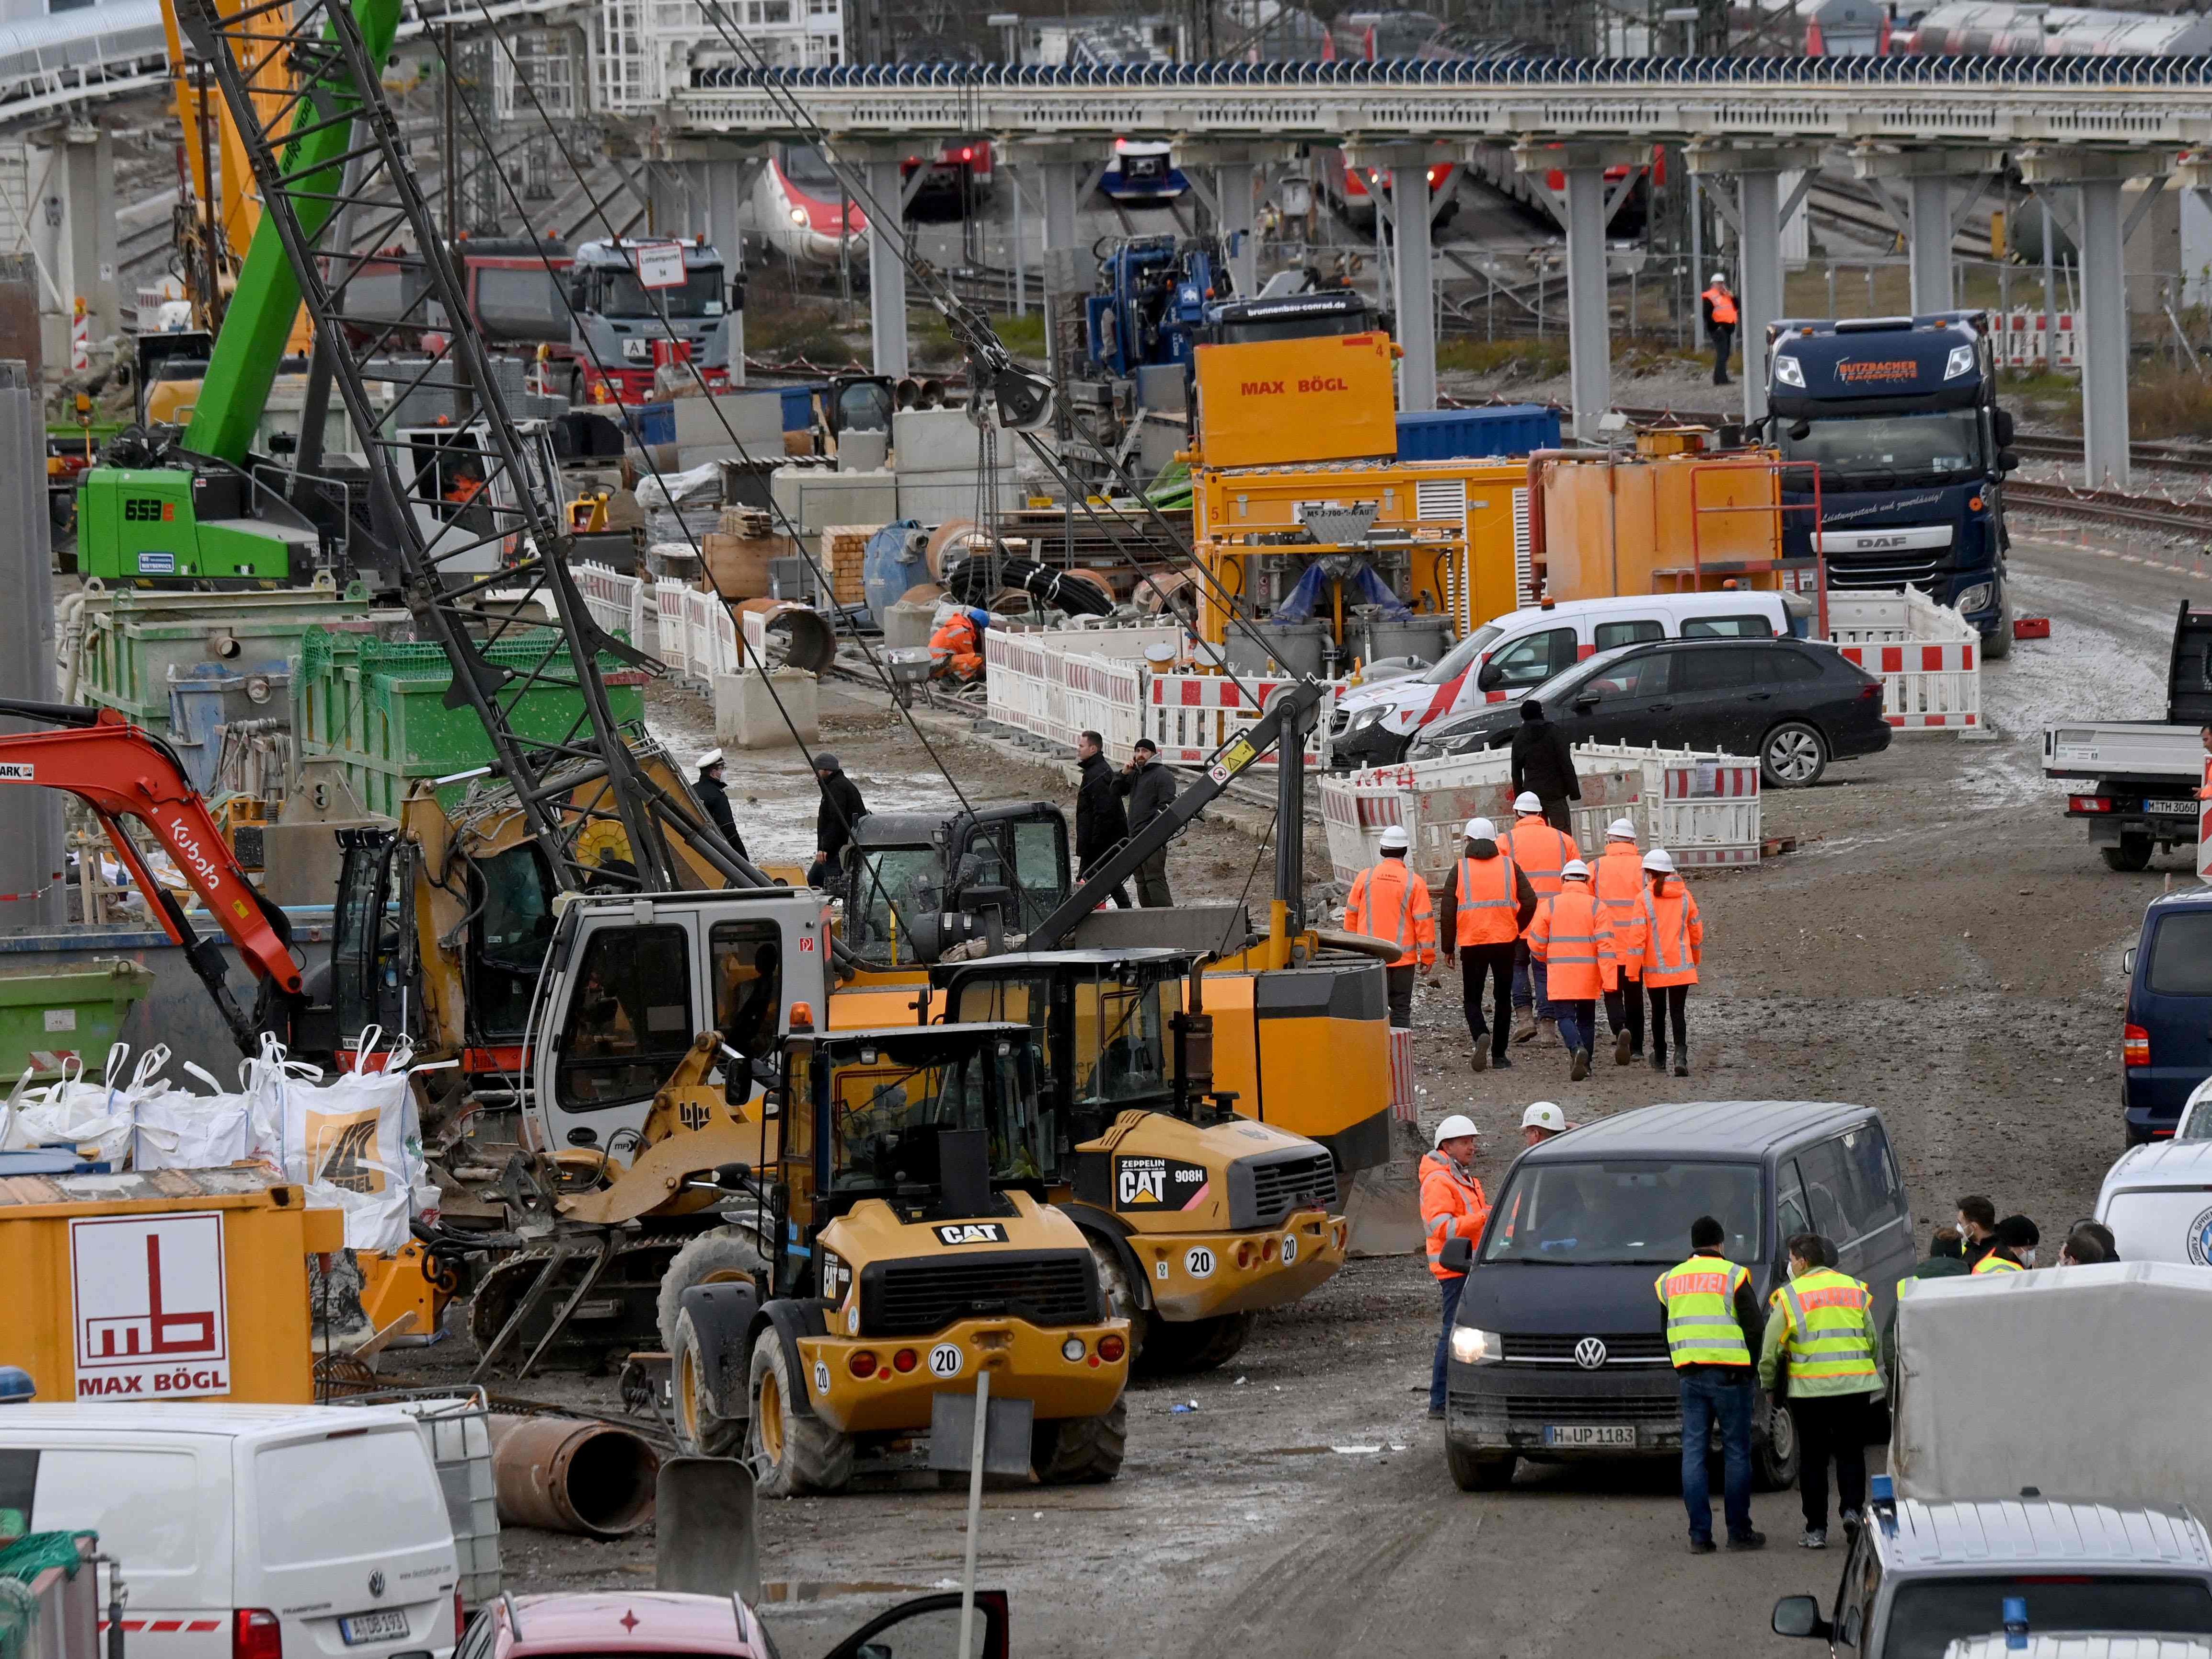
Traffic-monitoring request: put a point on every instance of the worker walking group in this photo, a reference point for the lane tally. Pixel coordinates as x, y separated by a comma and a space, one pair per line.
1534, 926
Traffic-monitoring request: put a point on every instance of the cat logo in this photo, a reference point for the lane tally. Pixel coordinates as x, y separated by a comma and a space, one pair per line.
972, 1232
694, 1113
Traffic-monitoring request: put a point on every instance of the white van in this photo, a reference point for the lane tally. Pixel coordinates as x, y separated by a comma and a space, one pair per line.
2157, 1199
248, 1532
1373, 725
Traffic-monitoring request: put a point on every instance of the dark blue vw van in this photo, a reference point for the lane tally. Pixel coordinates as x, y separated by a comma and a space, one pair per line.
2165, 1050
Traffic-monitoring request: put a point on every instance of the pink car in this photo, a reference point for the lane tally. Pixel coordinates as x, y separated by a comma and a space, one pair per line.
610, 1624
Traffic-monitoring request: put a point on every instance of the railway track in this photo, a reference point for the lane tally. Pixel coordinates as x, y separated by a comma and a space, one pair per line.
2112, 506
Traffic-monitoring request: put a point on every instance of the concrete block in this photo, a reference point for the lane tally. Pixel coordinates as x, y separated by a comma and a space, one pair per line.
755, 418
746, 716
934, 497
813, 499
935, 439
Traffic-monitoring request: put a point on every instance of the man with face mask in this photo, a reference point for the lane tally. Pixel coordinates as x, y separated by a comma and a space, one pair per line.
1820, 1347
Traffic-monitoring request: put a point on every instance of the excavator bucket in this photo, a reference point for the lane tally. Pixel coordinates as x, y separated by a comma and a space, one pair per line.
703, 1522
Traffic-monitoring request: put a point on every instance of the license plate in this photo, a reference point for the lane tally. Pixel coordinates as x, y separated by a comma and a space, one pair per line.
2172, 809
1591, 1434
386, 1624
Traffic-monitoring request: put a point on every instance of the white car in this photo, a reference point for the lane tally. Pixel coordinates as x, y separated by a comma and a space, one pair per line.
1373, 725
2157, 1199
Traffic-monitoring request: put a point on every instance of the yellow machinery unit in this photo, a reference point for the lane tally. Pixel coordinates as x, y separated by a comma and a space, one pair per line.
1270, 402
1666, 518
167, 1285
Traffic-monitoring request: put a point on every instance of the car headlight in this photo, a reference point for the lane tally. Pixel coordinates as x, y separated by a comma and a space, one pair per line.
1788, 371
1976, 598
1471, 1346
1366, 717
637, 350
1960, 361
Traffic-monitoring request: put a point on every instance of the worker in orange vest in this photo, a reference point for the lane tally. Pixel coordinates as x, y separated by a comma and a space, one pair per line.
1720, 325
1487, 904
1573, 941
1541, 853
1673, 945
1452, 1206
956, 648
1617, 879
1391, 902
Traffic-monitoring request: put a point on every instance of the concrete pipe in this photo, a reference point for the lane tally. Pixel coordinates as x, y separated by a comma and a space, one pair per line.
799, 636
590, 1479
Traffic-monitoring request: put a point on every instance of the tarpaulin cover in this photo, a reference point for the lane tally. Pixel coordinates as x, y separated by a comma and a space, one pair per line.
2082, 1383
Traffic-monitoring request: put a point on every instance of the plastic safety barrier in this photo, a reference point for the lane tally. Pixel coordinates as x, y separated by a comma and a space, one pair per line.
1928, 657
1189, 716
617, 602
694, 634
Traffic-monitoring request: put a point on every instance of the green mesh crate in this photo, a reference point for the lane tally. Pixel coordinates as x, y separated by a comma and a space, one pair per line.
379, 708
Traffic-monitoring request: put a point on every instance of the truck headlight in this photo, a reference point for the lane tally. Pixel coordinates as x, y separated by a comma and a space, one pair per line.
1788, 371
1976, 598
1960, 361
636, 351
1471, 1346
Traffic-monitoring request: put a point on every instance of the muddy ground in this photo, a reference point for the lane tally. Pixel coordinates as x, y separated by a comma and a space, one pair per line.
1943, 945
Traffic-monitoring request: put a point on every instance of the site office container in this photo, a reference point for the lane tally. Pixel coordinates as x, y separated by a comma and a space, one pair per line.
248, 1532
378, 707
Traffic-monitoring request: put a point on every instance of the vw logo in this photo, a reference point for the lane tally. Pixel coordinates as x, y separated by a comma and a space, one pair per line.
376, 1582
1589, 1353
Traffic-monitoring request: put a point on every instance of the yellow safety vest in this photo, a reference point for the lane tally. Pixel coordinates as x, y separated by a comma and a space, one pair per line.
1701, 1323
1831, 1334
1994, 1263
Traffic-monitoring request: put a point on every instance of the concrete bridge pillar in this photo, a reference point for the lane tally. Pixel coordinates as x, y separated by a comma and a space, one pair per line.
1235, 165
1414, 292
2098, 177
1066, 171
878, 164
1589, 206
1934, 212
1760, 213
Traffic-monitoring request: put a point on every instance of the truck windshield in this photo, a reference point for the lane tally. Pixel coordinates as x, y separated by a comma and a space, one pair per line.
1927, 1618
1877, 451
1312, 327
620, 294
1617, 1214
890, 1101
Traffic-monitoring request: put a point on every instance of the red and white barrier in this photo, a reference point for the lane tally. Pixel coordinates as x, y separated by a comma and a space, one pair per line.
1189, 716
694, 632
1927, 656
2028, 339
617, 602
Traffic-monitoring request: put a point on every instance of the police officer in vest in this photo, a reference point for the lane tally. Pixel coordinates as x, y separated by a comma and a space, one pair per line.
1720, 323
1712, 1322
1821, 1350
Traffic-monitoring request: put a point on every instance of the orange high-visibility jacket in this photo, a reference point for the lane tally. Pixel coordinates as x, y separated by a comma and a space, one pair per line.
1540, 851
1675, 936
1571, 937
1485, 901
1452, 1206
1390, 902
1617, 879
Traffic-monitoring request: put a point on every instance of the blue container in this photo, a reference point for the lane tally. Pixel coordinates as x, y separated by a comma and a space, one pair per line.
655, 423
798, 406
1448, 434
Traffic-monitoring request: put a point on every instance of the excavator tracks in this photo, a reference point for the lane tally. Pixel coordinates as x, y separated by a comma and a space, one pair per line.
618, 1314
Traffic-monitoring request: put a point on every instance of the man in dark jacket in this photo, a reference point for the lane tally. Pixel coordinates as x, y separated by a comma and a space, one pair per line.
1149, 789
1544, 765
1101, 824
842, 808
715, 795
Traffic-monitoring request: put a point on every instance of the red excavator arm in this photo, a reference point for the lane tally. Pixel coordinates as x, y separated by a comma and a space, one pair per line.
124, 771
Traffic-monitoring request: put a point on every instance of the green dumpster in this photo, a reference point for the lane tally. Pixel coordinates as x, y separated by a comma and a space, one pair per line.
47, 1019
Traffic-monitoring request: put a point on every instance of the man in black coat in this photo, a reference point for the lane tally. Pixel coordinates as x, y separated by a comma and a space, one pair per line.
1101, 825
715, 795
1149, 789
1544, 765
842, 808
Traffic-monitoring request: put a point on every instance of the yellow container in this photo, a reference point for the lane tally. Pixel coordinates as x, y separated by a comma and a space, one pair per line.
166, 1284
1267, 403
1659, 524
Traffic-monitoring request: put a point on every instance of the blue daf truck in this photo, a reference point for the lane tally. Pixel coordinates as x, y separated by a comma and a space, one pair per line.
1900, 416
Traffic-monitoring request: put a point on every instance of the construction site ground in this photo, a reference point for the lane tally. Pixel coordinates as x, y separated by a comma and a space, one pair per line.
1943, 944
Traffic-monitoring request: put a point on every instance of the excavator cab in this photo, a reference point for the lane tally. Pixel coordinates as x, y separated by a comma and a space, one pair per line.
920, 883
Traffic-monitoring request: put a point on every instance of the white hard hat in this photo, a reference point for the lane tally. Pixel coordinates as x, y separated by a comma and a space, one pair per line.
712, 757
1719, 275
1659, 858
1545, 1115
1574, 870
1395, 840
1620, 829
1453, 1128
1526, 801
1481, 829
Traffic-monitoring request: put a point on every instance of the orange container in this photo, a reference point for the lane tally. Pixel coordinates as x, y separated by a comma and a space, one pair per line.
1270, 403
1659, 524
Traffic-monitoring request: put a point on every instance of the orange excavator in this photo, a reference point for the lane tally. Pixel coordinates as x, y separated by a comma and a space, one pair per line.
124, 771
